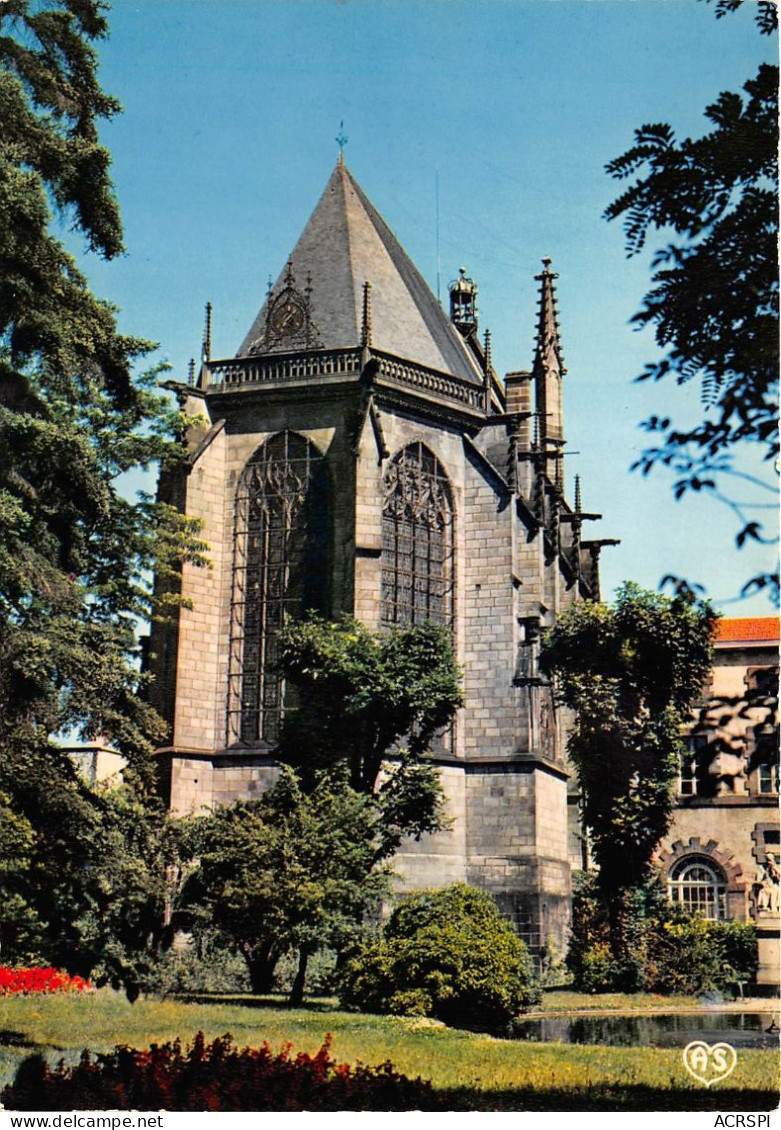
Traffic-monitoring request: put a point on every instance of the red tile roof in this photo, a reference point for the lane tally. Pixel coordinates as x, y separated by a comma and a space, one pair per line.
759, 628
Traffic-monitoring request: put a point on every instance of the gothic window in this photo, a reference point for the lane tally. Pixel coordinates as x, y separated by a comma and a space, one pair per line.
417, 541
699, 885
281, 551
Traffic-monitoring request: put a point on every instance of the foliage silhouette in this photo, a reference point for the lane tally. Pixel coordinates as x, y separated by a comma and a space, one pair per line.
714, 298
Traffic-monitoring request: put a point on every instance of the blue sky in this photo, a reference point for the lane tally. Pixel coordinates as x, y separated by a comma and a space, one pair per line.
231, 109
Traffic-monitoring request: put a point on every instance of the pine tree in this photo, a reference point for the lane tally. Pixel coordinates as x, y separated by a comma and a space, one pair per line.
75, 554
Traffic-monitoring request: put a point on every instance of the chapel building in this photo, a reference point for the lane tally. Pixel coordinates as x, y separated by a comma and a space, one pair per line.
360, 454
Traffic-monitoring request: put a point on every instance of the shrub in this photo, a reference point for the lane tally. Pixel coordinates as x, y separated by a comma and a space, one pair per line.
692, 955
588, 954
553, 969
447, 954
590, 957
670, 950
597, 970
215, 1077
207, 965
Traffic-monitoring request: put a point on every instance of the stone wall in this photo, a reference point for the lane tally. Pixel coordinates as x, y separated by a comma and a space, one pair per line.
437, 861
728, 819
509, 816
199, 717
732, 834
487, 614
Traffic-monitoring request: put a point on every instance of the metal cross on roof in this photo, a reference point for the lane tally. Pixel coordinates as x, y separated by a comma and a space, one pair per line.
341, 141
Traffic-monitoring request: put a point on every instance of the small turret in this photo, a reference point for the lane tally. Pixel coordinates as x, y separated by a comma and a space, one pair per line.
463, 303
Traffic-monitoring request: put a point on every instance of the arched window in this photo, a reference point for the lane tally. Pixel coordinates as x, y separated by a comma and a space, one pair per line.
417, 540
700, 886
280, 567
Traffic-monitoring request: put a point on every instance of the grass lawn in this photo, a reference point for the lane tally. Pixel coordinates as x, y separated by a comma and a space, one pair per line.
476, 1071
563, 1001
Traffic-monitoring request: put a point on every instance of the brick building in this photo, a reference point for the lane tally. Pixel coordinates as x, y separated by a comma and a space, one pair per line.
721, 854
360, 454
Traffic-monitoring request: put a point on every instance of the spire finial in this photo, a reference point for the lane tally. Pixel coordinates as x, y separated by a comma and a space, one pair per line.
341, 141
366, 328
206, 350
548, 338
578, 503
487, 350
487, 370
548, 367
191, 371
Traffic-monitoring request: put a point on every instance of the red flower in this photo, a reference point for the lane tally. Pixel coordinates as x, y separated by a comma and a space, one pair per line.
40, 980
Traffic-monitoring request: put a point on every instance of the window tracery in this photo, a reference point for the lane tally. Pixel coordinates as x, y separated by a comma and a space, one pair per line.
417, 541
280, 568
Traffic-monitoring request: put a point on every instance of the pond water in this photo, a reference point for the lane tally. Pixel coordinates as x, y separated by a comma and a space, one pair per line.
741, 1029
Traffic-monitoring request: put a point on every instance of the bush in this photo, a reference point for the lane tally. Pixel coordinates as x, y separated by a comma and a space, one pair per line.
447, 954
692, 955
671, 951
588, 957
207, 965
214, 1077
553, 969
597, 971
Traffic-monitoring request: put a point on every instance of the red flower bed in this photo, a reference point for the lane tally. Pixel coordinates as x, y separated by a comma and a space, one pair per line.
215, 1077
39, 981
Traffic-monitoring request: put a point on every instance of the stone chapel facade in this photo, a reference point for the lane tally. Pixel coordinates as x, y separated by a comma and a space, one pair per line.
360, 455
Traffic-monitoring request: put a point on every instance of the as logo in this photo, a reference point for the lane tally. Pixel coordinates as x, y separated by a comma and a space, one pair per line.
708, 1064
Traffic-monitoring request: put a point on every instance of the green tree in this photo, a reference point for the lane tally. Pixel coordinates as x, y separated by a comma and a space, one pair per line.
84, 888
362, 696
121, 929
447, 954
293, 870
76, 554
18, 920
714, 298
630, 673
298, 869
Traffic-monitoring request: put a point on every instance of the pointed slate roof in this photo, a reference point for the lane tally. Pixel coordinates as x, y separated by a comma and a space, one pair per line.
345, 244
